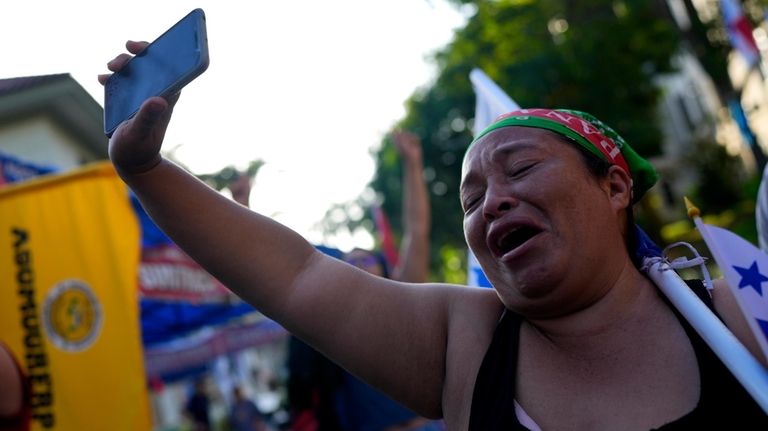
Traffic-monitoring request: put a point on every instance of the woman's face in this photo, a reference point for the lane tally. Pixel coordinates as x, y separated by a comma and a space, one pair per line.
544, 229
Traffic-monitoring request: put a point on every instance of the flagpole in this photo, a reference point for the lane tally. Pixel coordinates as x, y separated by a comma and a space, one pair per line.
742, 364
695, 215
722, 260
747, 370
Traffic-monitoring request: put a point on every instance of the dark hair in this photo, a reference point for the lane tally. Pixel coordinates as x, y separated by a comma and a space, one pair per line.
380, 259
599, 169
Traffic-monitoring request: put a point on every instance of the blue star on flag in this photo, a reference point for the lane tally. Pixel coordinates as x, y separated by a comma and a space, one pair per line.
751, 277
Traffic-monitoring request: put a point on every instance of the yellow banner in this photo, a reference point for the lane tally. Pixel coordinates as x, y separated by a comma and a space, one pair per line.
69, 252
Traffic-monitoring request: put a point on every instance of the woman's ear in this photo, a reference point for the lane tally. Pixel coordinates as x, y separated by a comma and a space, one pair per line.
620, 187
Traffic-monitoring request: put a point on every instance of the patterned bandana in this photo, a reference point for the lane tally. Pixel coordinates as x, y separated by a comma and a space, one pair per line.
589, 132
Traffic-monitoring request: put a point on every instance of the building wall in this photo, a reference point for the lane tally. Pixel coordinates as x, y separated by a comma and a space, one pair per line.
688, 113
755, 102
688, 110
39, 140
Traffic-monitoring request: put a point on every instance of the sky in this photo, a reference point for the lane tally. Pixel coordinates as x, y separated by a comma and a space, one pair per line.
309, 87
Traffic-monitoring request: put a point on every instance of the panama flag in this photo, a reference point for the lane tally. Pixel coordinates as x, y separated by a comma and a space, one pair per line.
745, 268
739, 31
490, 102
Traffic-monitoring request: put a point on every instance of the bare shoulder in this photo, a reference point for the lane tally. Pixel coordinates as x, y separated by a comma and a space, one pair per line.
473, 313
728, 308
481, 306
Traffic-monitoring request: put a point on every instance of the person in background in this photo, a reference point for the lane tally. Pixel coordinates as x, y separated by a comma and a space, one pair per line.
359, 406
240, 187
311, 385
338, 400
244, 415
198, 407
412, 263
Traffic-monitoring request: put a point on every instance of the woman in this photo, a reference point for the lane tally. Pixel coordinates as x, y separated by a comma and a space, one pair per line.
596, 345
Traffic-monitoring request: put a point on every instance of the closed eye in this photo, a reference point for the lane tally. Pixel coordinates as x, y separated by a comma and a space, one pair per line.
470, 203
518, 171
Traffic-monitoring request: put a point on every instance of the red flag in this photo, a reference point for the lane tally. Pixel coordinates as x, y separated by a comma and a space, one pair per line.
386, 238
739, 31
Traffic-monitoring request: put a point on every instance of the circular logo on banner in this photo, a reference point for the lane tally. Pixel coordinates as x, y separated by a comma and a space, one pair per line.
72, 315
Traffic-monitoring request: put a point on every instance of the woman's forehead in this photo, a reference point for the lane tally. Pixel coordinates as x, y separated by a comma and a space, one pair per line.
510, 140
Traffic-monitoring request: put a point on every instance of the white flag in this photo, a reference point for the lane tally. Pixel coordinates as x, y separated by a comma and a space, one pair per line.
745, 268
491, 101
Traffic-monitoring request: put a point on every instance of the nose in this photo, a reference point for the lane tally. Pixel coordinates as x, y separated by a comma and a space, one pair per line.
497, 203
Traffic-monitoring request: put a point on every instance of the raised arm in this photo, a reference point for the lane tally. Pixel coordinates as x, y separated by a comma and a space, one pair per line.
392, 334
240, 187
413, 265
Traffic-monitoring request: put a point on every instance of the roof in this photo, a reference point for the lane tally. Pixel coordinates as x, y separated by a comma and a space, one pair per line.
11, 85
60, 97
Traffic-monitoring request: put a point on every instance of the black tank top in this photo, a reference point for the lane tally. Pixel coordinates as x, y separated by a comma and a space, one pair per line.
723, 402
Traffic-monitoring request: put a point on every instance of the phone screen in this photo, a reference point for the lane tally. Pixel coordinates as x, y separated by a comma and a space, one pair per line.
173, 60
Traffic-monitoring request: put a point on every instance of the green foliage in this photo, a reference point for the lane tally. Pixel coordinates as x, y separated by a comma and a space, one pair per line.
740, 220
721, 177
724, 191
737, 215
599, 56
454, 268
594, 55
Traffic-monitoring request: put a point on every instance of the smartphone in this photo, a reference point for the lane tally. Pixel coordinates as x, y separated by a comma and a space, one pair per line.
163, 68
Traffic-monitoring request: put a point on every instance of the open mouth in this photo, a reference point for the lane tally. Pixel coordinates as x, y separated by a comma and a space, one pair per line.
515, 238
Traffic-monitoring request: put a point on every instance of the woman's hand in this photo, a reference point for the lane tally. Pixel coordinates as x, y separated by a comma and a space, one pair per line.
408, 145
135, 145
